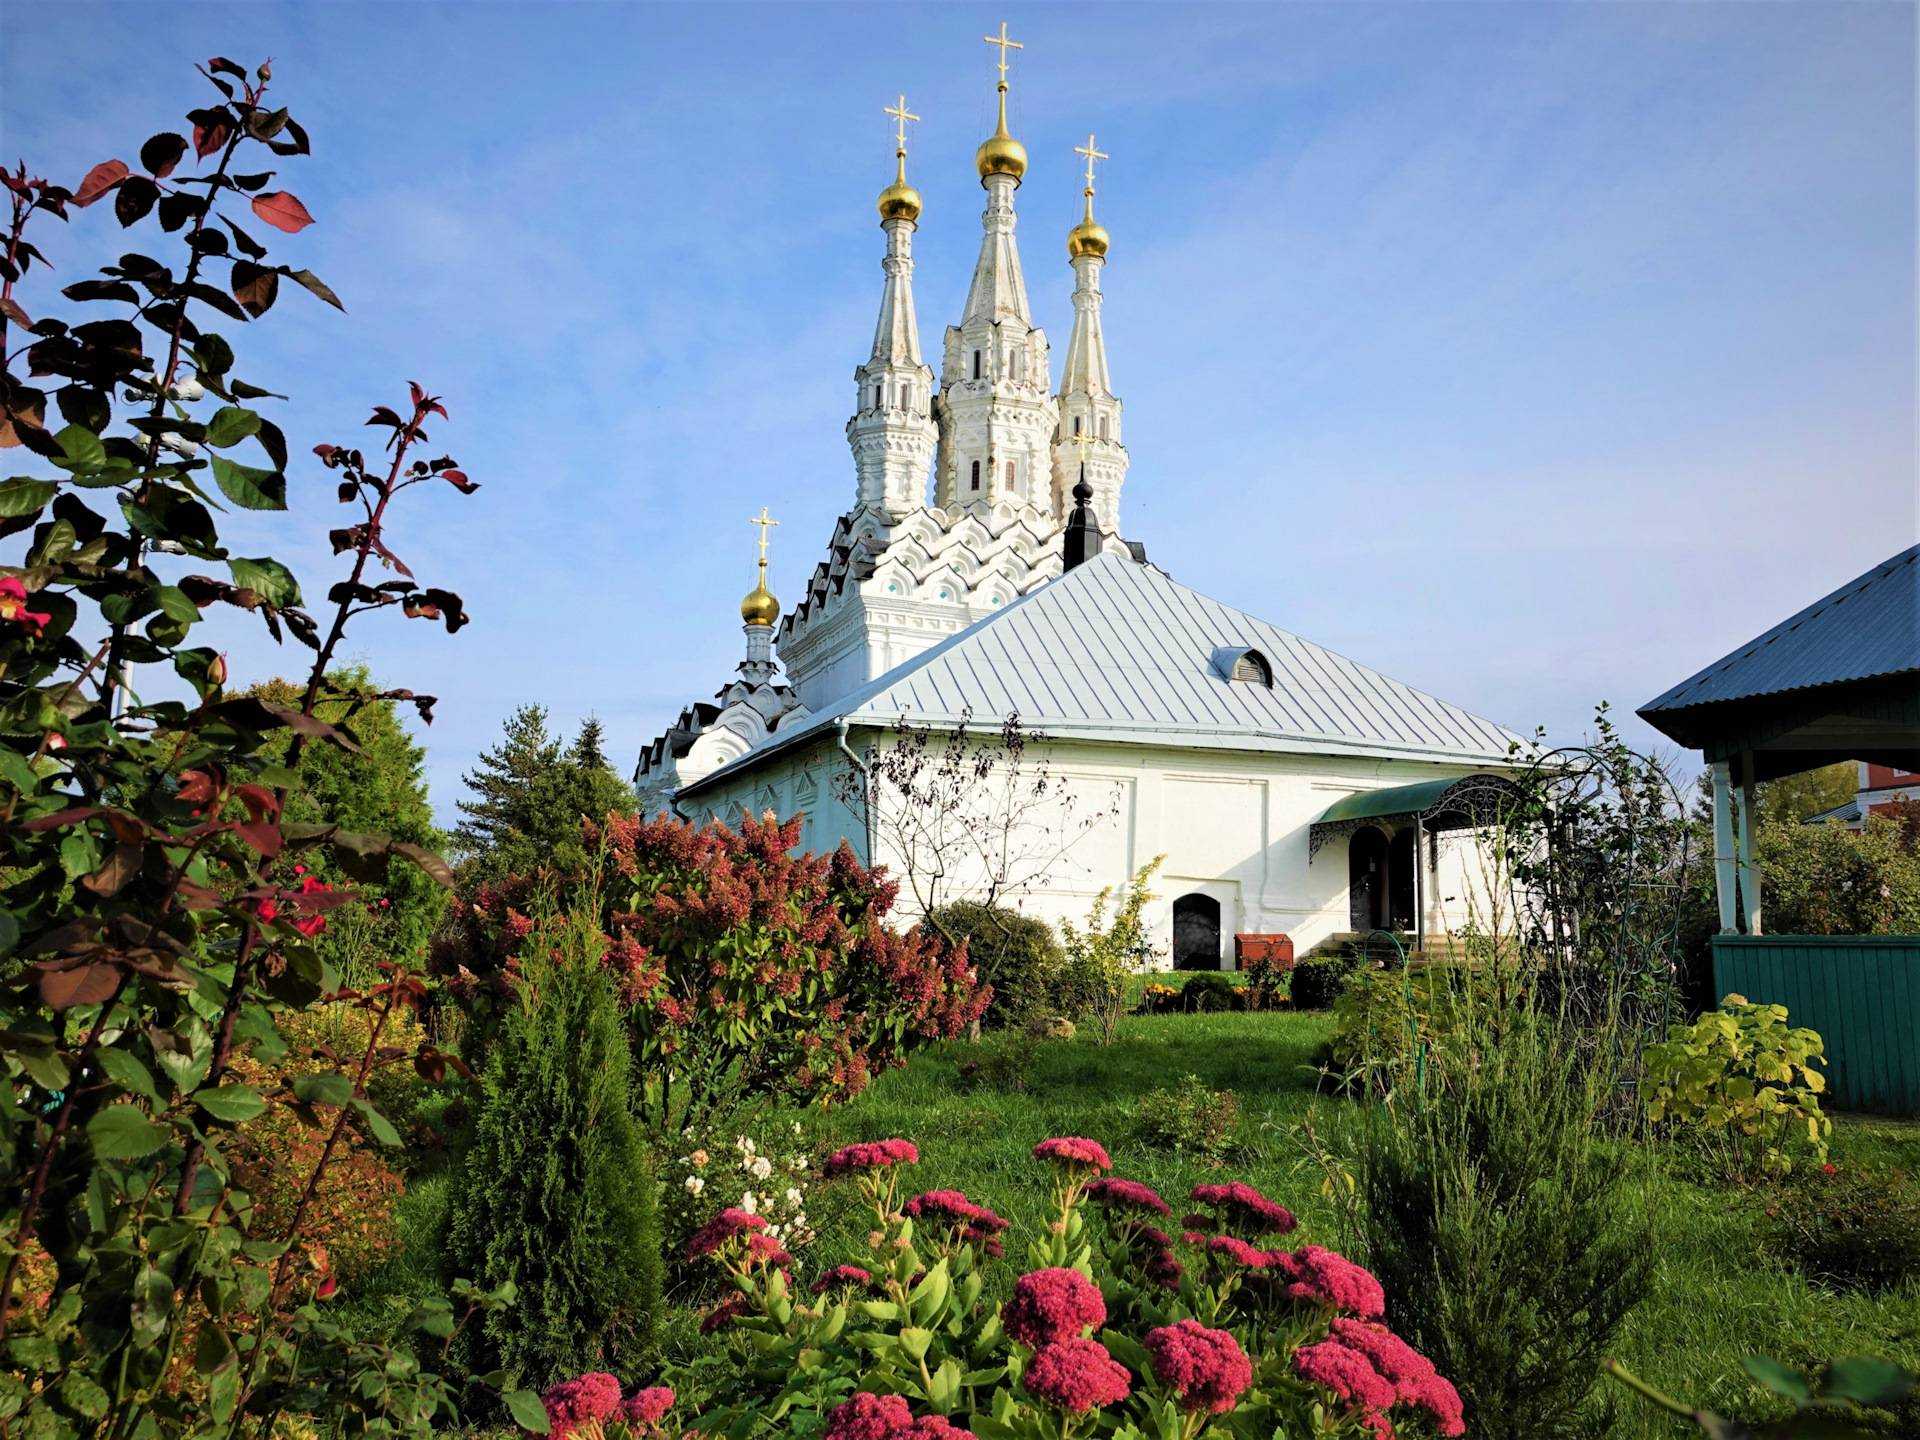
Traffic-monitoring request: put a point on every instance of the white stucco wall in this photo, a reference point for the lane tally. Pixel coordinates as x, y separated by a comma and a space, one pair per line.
1232, 825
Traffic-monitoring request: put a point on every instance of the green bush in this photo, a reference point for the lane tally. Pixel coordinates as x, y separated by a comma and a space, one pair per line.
1853, 1227
1190, 1118
1209, 990
1385, 1021
1317, 982
1823, 880
1741, 1083
1495, 1213
1016, 954
556, 1192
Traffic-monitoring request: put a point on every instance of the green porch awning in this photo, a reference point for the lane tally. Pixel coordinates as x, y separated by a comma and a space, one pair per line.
1456, 803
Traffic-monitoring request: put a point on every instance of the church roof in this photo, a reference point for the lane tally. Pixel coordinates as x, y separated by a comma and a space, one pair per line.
1116, 650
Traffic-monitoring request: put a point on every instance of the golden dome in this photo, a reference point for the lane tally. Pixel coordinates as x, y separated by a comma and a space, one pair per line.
760, 608
1000, 153
899, 201
1089, 237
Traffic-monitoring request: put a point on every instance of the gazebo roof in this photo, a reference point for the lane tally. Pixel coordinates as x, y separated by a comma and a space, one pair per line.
1839, 680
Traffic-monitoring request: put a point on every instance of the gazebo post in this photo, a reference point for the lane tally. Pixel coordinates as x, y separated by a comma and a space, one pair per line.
1723, 865
1419, 886
1749, 871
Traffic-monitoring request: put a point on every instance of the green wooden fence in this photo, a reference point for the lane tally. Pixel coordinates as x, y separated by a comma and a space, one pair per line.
1861, 992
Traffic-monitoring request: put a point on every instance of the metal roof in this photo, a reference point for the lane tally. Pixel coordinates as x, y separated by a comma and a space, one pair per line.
1394, 800
1116, 650
1868, 629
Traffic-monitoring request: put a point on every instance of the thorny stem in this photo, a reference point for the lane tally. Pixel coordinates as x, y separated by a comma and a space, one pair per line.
258, 1354
115, 680
36, 1191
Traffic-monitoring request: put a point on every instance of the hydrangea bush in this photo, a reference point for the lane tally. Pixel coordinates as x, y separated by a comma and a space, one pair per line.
1127, 1320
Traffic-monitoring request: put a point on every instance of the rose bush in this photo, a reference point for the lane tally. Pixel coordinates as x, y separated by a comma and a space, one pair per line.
1116, 1327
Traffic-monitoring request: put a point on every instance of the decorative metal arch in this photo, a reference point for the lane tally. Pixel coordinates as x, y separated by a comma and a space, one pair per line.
1471, 802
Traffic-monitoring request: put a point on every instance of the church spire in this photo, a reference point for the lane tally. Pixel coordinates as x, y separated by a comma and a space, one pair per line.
891, 433
1087, 405
995, 412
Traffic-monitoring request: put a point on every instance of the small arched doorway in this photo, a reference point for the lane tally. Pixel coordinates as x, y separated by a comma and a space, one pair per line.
1400, 862
1367, 880
1196, 933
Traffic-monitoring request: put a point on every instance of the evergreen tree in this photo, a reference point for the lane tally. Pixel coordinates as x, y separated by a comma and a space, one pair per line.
556, 1192
530, 795
380, 790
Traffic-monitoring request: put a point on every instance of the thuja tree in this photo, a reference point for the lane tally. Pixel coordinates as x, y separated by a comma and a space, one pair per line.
154, 926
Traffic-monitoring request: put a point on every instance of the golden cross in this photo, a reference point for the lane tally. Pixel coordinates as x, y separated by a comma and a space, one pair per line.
766, 523
1005, 45
901, 115
1092, 155
1083, 439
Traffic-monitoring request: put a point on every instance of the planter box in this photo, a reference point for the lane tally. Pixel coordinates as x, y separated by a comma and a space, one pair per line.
1275, 949
1861, 992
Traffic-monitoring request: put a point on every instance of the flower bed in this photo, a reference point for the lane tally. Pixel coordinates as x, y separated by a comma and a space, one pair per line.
1218, 1327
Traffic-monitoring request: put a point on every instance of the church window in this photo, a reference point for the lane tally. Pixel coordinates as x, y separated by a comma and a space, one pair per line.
1019, 369
876, 397
1103, 427
976, 364
976, 475
906, 397
1010, 476
1076, 424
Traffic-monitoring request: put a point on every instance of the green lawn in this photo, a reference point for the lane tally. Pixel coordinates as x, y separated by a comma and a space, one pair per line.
1718, 1296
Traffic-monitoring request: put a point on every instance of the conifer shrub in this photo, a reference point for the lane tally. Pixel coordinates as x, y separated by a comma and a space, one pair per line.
1016, 954
555, 1192
1496, 1214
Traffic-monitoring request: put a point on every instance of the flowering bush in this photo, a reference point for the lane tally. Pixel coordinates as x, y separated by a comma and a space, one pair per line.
591, 1406
748, 972
1114, 1328
757, 1177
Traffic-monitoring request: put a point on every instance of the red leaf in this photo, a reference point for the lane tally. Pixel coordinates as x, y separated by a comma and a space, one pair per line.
100, 179
196, 787
459, 481
83, 985
11, 309
282, 210
210, 137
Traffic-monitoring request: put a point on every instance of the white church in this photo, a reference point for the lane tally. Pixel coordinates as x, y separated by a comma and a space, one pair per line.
1289, 789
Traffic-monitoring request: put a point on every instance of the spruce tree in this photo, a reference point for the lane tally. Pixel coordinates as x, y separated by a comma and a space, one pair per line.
530, 796
555, 1190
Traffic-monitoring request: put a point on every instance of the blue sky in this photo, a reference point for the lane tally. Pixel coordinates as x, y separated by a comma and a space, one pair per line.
1534, 355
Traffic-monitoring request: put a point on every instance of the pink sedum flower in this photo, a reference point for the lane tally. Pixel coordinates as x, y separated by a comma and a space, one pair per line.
1414, 1377
863, 1416
1052, 1305
870, 1155
1242, 1202
1206, 1369
1231, 1247
843, 1277
1351, 1377
1074, 1150
646, 1407
954, 1210
592, 1398
1076, 1376
1114, 1193
723, 1227
724, 1314
1322, 1277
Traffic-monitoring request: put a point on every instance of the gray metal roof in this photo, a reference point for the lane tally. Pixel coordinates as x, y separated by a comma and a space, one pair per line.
1115, 650
1868, 629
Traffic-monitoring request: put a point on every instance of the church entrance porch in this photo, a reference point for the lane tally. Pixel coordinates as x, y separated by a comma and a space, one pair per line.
1367, 880
1196, 933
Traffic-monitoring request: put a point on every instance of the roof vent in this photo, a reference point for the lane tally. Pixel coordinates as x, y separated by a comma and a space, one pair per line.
1243, 663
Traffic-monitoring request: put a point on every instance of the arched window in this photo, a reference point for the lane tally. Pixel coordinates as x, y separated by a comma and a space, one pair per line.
1076, 424
876, 397
976, 364
976, 475
1010, 475
906, 397
1103, 427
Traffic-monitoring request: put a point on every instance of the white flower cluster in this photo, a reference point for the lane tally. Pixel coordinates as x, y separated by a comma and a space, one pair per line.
785, 1211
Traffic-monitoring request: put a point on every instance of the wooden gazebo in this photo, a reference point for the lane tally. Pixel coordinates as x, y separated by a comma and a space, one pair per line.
1840, 680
